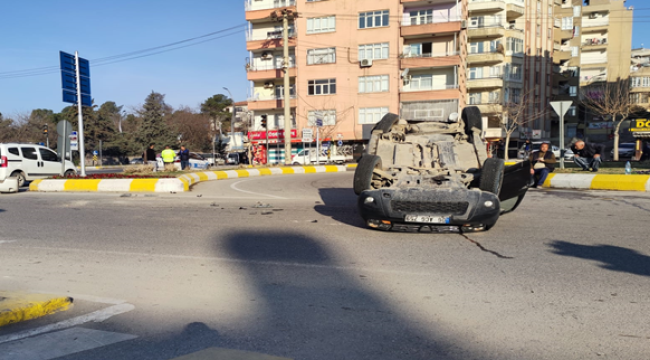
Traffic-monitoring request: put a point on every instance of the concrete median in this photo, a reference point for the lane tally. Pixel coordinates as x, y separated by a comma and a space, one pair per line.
598, 182
180, 184
16, 306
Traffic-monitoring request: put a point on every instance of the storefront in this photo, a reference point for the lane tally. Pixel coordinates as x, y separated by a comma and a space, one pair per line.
640, 129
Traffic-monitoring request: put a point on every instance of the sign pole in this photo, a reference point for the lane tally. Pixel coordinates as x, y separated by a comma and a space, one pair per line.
65, 142
317, 145
82, 153
561, 107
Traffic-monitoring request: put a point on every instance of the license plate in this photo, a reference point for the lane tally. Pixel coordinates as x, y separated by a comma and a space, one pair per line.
427, 219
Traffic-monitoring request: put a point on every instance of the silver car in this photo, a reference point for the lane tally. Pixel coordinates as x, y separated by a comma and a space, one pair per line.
625, 150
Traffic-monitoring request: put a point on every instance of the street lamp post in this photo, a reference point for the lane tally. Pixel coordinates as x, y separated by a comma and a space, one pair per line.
234, 112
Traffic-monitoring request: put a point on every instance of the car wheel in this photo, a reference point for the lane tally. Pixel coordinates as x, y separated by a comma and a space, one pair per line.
364, 172
472, 118
21, 177
386, 123
69, 173
492, 175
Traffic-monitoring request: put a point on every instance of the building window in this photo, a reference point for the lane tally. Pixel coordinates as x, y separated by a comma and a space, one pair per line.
370, 84
567, 23
321, 56
421, 17
279, 91
327, 116
474, 98
476, 47
515, 46
373, 51
321, 25
485, 21
373, 19
321, 87
572, 111
576, 11
494, 96
573, 90
576, 31
371, 115
575, 51
475, 73
513, 72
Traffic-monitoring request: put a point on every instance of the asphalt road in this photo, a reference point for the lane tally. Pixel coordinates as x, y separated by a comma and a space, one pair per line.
566, 276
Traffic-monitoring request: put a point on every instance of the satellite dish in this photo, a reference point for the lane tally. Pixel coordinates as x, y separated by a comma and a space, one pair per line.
453, 117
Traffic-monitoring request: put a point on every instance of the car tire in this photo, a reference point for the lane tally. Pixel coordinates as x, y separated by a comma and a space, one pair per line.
492, 175
68, 173
364, 171
386, 123
472, 118
21, 178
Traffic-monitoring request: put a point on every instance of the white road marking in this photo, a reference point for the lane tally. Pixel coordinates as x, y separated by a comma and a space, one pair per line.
7, 241
60, 343
234, 187
97, 316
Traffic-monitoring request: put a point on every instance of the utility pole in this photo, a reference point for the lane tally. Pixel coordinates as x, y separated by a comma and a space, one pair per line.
286, 13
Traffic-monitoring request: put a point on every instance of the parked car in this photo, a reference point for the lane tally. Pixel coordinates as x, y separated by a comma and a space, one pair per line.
197, 162
237, 158
435, 176
307, 156
625, 150
136, 161
29, 162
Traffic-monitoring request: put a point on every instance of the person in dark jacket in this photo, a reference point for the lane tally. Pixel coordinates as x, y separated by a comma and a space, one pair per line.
184, 156
150, 157
542, 163
587, 155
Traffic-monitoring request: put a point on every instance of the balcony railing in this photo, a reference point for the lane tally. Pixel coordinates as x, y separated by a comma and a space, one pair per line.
431, 88
430, 55
252, 5
257, 97
518, 2
595, 41
587, 23
487, 23
273, 34
266, 65
484, 77
595, 60
485, 52
430, 19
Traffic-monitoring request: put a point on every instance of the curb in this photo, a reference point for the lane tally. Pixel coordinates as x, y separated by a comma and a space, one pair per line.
180, 184
17, 307
598, 182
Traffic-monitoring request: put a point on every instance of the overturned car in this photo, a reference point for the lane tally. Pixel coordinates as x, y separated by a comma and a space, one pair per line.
424, 176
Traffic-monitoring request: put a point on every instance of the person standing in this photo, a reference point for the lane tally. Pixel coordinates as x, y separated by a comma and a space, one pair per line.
587, 155
542, 163
184, 155
168, 156
150, 157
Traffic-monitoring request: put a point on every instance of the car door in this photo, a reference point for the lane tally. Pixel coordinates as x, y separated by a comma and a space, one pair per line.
50, 163
516, 180
31, 164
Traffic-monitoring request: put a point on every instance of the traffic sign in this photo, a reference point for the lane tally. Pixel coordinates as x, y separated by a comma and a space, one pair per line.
319, 122
69, 79
95, 152
307, 135
340, 143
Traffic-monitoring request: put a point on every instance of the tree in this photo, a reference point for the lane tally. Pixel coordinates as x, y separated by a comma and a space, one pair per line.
193, 128
517, 112
153, 128
609, 100
216, 108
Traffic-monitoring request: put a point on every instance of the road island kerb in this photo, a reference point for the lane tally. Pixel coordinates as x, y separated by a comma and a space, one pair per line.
180, 184
18, 306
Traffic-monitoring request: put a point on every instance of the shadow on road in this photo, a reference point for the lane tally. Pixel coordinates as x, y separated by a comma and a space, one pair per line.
341, 205
612, 257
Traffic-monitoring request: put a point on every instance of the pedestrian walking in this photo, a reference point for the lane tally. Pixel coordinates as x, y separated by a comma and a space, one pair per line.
184, 155
542, 163
168, 156
587, 155
150, 157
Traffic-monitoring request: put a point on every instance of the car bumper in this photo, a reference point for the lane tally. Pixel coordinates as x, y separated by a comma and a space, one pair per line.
389, 208
9, 185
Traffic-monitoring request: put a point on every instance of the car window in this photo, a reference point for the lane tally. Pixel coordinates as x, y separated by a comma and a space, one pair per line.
14, 151
195, 156
48, 155
29, 153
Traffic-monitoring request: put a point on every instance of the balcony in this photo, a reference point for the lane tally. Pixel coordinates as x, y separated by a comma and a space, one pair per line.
491, 133
269, 102
591, 62
430, 60
487, 31
267, 71
594, 44
494, 108
429, 26
562, 55
259, 9
514, 9
562, 34
485, 57
270, 39
485, 82
434, 93
486, 5
597, 24
513, 32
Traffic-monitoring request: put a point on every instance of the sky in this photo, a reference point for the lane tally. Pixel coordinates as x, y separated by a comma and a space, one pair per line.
33, 32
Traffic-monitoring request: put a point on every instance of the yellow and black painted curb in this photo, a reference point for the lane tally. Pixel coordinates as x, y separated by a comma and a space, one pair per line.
16, 306
180, 184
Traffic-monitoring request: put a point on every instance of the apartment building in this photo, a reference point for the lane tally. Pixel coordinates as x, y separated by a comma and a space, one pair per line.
640, 78
593, 41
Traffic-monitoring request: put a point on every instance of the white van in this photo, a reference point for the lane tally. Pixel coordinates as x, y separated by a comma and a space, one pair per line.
28, 162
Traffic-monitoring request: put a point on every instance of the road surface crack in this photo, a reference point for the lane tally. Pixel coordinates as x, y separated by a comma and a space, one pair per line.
483, 248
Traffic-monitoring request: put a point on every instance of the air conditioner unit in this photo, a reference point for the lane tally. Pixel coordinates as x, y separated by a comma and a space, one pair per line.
269, 85
463, 24
365, 63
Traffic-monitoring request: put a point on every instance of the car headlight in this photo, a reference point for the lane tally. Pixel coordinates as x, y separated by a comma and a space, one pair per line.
368, 200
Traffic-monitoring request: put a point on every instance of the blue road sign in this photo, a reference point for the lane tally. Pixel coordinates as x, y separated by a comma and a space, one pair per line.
319, 122
69, 79
95, 152
340, 143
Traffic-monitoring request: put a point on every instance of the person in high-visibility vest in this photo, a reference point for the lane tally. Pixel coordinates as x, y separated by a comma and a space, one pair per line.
168, 156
